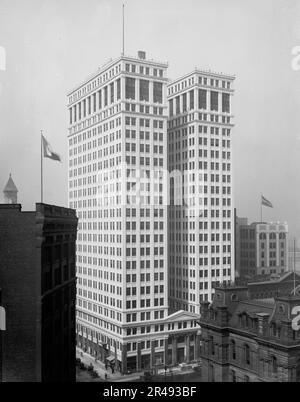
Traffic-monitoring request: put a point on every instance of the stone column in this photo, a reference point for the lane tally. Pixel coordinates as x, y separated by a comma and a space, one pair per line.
116, 355
197, 346
138, 357
187, 349
174, 351
152, 355
124, 358
166, 352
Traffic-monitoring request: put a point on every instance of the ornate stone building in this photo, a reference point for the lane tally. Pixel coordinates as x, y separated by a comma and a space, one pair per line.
249, 340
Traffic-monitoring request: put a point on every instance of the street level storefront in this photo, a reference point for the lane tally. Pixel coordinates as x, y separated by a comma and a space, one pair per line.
173, 341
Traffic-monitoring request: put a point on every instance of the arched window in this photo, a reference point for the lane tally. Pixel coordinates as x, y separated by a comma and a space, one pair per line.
211, 345
247, 354
233, 376
246, 378
274, 365
233, 350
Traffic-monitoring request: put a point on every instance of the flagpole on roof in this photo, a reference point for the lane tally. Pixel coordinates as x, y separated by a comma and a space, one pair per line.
261, 205
123, 27
42, 166
294, 267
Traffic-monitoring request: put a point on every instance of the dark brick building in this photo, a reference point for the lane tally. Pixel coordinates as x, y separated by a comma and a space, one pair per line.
37, 278
249, 340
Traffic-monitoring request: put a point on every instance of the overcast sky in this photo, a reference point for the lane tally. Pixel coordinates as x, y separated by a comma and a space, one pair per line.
52, 45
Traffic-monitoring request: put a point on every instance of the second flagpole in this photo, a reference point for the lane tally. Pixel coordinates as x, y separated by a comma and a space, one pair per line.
42, 166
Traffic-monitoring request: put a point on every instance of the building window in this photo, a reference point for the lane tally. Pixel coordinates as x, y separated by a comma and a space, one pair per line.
225, 103
202, 99
247, 354
99, 101
118, 89
144, 90
130, 88
191, 100
211, 345
171, 107
177, 105
233, 350
184, 102
112, 92
274, 365
105, 96
214, 100
157, 92
233, 376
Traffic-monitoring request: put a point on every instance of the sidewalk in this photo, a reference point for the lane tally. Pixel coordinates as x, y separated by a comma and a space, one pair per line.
99, 367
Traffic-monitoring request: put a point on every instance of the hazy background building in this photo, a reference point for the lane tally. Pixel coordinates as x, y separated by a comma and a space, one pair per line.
261, 248
294, 259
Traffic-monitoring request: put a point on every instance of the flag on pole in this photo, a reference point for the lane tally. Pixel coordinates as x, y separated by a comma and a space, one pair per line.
48, 153
266, 202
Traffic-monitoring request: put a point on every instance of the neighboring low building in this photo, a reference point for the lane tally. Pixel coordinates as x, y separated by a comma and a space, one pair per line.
37, 277
276, 285
261, 248
2, 328
249, 340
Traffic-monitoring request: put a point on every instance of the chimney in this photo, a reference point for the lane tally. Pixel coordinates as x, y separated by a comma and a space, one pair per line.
141, 54
263, 319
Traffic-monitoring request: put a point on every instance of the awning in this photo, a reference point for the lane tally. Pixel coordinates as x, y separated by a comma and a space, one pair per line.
110, 359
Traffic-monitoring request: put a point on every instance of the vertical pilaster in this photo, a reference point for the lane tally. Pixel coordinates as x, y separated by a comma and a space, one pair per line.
152, 355
174, 351
124, 358
138, 357
187, 349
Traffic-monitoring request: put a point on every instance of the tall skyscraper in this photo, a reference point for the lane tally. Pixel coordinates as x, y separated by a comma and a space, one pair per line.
117, 160
201, 218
